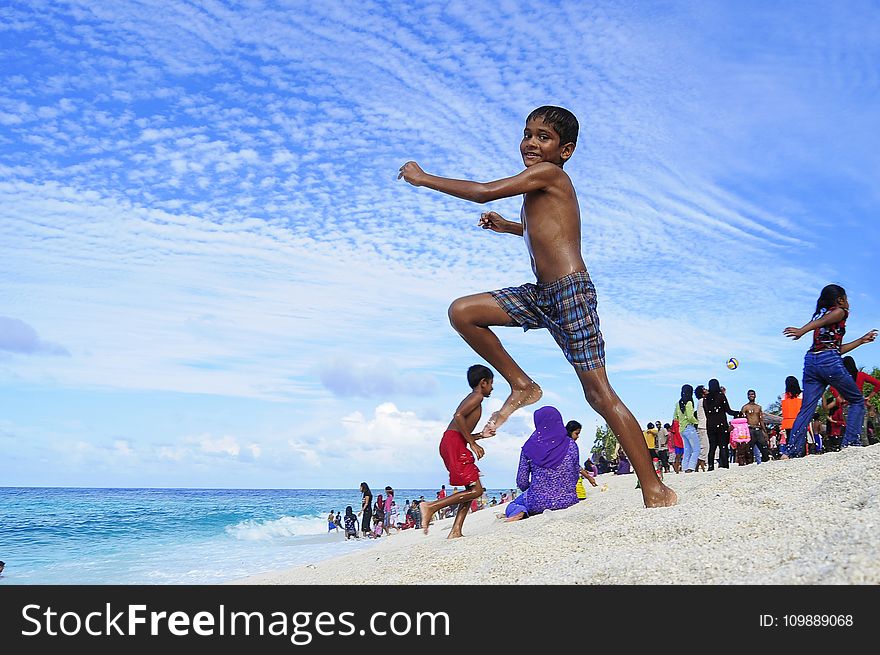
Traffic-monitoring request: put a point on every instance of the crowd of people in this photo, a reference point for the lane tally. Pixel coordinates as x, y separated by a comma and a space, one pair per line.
385, 516
700, 437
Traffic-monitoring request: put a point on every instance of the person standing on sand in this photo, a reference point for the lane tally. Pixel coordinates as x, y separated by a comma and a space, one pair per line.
790, 406
676, 445
390, 511
701, 393
687, 425
651, 440
717, 409
564, 299
663, 445
379, 514
454, 451
755, 416
366, 508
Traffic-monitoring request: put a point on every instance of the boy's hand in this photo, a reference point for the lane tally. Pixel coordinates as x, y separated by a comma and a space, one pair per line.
492, 221
478, 450
411, 172
869, 337
793, 332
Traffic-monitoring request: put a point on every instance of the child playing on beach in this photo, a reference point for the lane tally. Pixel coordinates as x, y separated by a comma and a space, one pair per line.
379, 513
676, 444
823, 365
453, 449
390, 511
351, 524
563, 300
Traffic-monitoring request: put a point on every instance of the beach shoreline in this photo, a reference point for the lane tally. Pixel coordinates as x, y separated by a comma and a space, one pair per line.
814, 520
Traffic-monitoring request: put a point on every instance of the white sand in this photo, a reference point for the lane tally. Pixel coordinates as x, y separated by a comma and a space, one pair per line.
809, 521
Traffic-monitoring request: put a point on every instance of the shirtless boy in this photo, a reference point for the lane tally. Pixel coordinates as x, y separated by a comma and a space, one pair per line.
755, 416
453, 449
563, 300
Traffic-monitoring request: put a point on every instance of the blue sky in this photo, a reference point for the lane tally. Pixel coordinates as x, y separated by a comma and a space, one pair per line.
211, 278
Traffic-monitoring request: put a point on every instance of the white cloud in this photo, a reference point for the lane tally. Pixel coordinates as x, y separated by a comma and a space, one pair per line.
203, 199
225, 445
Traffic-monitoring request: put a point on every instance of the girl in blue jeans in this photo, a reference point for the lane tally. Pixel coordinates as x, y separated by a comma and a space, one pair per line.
823, 366
687, 423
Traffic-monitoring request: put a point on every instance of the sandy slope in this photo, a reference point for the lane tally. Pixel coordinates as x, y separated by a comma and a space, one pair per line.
809, 521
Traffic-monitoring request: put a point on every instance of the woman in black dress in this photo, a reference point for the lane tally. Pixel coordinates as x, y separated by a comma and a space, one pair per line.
717, 408
366, 508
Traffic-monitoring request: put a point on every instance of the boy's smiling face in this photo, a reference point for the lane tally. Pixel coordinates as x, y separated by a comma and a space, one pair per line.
540, 142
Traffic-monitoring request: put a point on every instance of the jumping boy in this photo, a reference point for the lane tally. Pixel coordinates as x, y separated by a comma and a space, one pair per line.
453, 449
563, 300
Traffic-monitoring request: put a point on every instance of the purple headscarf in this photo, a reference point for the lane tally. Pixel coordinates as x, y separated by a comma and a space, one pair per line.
549, 442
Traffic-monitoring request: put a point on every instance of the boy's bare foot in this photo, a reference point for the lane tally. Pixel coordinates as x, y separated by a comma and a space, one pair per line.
426, 515
665, 497
528, 395
454, 535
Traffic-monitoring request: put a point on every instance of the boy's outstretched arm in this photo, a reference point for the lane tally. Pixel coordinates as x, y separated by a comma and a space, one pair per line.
537, 177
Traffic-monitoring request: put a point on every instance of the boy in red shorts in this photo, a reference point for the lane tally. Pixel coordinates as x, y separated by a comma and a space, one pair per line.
454, 450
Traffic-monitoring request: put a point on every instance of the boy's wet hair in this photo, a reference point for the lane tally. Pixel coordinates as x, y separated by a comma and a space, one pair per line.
477, 373
829, 297
560, 119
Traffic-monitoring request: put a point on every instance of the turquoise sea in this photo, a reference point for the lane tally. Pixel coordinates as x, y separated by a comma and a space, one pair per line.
169, 536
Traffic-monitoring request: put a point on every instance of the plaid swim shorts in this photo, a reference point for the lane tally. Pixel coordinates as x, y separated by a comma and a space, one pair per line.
566, 307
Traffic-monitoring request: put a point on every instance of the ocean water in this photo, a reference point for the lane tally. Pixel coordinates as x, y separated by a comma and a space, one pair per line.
170, 536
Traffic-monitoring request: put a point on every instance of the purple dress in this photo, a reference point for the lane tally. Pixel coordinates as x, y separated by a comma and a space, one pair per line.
550, 488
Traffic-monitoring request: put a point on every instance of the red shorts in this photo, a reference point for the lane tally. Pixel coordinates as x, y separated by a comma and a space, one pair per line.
458, 459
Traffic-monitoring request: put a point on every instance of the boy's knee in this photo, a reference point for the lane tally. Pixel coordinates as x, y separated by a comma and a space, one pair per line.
456, 312
598, 399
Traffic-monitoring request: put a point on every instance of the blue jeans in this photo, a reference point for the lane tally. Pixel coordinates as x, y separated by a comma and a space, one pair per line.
820, 370
691, 448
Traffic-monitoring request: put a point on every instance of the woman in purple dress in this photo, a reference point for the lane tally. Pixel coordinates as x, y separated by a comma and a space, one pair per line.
549, 464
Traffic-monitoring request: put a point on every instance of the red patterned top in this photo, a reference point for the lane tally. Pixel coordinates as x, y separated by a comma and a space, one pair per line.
829, 337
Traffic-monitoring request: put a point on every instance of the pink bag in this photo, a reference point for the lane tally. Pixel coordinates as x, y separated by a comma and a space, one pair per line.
740, 430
